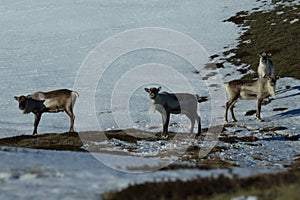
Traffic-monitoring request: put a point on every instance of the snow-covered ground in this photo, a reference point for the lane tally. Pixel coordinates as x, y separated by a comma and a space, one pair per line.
39, 174
272, 149
43, 45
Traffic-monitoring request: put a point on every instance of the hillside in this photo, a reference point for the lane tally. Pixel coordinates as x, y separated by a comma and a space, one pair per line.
275, 31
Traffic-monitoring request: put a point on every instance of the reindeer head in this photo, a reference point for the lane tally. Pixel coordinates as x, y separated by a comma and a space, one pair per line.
264, 56
22, 100
27, 104
152, 92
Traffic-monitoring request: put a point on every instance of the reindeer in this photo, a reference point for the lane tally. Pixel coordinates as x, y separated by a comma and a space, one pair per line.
175, 103
265, 67
53, 102
249, 89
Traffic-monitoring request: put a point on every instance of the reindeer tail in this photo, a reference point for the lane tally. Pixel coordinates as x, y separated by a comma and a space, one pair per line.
75, 95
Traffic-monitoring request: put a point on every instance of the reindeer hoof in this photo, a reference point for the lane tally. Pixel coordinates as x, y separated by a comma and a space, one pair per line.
165, 136
234, 120
34, 134
259, 120
197, 136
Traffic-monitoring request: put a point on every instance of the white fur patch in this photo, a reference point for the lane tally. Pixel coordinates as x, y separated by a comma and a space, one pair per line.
51, 103
153, 106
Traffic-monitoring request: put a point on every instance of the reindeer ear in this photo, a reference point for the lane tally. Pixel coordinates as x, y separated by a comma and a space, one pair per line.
20, 98
147, 90
159, 88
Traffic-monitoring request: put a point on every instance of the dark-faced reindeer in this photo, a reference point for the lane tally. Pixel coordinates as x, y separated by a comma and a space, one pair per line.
55, 101
175, 103
249, 89
265, 67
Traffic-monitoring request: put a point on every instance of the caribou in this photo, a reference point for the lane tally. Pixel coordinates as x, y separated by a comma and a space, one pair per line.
175, 103
55, 101
265, 67
249, 89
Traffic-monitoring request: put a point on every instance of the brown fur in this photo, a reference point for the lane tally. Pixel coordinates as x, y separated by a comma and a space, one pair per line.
61, 100
178, 103
265, 67
249, 89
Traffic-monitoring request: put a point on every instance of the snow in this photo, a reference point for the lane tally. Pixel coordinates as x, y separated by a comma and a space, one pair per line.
294, 21
245, 198
270, 151
40, 174
42, 40
45, 44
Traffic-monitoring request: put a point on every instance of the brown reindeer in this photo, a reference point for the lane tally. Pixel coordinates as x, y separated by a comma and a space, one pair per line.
265, 67
175, 103
55, 101
249, 89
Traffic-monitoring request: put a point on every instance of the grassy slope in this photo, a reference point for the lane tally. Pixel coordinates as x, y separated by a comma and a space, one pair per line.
271, 32
269, 186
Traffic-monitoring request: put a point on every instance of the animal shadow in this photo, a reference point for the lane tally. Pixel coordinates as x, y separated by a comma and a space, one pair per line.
282, 91
289, 113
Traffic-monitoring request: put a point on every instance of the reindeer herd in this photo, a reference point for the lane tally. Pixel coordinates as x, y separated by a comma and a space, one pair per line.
165, 103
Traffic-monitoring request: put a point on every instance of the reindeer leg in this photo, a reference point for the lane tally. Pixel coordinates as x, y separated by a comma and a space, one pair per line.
232, 112
226, 112
192, 124
258, 109
166, 120
37, 118
229, 105
72, 117
192, 118
199, 126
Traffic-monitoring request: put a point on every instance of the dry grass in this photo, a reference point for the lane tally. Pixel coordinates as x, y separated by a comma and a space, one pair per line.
50, 141
72, 141
268, 186
271, 32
